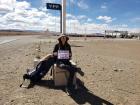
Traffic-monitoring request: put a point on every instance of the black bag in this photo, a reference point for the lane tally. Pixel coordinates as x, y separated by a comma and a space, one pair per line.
35, 74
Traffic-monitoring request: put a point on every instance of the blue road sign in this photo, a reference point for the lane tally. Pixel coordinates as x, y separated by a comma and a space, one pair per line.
53, 6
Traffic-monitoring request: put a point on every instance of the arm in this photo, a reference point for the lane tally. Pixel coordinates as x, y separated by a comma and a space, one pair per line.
55, 50
70, 51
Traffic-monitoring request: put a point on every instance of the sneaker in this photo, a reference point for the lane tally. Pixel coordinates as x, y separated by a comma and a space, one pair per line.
80, 71
26, 83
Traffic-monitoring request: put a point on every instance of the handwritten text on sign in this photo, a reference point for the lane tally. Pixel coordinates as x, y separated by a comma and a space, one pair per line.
63, 54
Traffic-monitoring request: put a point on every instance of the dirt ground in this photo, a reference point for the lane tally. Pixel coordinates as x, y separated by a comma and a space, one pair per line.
111, 66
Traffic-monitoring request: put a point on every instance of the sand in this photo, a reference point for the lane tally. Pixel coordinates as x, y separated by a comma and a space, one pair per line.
111, 66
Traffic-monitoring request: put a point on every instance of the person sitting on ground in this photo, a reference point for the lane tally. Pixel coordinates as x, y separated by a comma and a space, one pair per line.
61, 56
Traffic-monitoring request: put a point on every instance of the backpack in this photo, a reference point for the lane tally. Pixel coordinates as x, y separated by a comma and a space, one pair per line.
35, 74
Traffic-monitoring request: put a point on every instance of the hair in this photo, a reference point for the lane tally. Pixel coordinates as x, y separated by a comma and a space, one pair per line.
60, 42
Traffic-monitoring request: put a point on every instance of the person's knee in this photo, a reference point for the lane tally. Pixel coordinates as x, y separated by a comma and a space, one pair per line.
49, 56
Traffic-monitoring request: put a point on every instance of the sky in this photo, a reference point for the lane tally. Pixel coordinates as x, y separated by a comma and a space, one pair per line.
83, 16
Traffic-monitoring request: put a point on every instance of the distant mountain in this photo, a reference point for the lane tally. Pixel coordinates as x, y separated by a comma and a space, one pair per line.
17, 30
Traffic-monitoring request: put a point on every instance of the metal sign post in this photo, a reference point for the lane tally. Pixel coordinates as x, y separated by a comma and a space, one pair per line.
63, 16
62, 10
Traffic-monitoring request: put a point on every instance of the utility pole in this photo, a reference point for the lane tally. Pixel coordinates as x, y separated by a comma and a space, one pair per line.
85, 33
62, 8
63, 22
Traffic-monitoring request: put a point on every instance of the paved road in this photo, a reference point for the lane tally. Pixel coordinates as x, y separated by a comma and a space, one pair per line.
9, 39
10, 44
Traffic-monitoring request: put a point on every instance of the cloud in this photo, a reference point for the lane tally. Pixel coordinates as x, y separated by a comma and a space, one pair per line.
48, 1
135, 20
25, 17
6, 5
89, 20
5, 8
73, 1
82, 17
82, 4
103, 7
70, 16
134, 30
107, 19
79, 17
22, 5
8, 2
10, 5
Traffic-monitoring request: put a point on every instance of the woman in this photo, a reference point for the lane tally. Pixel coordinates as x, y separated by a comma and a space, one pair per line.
61, 56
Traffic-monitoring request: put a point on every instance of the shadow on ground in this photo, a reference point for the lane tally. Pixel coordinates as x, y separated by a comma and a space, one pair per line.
80, 96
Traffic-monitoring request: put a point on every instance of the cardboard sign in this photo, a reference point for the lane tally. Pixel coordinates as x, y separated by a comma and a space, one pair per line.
63, 54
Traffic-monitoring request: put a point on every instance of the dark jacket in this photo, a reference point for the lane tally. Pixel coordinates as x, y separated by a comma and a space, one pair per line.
59, 46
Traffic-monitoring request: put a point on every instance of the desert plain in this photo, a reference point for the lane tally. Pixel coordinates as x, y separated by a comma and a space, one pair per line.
111, 67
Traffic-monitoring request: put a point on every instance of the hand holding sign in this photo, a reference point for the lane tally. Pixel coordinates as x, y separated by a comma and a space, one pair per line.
63, 54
